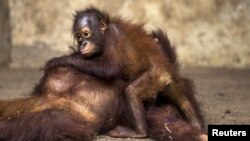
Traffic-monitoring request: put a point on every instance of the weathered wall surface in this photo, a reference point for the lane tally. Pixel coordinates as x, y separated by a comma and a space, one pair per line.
5, 40
206, 32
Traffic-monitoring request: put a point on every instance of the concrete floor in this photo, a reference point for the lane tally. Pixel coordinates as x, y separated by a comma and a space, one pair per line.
223, 93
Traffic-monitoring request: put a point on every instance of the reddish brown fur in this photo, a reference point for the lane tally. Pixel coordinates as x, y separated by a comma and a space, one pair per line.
86, 107
180, 85
166, 124
46, 125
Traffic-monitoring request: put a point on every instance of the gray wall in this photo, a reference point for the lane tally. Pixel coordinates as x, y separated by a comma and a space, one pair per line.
5, 40
213, 33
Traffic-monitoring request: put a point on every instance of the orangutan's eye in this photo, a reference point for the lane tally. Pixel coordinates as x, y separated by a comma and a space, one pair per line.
86, 34
78, 37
